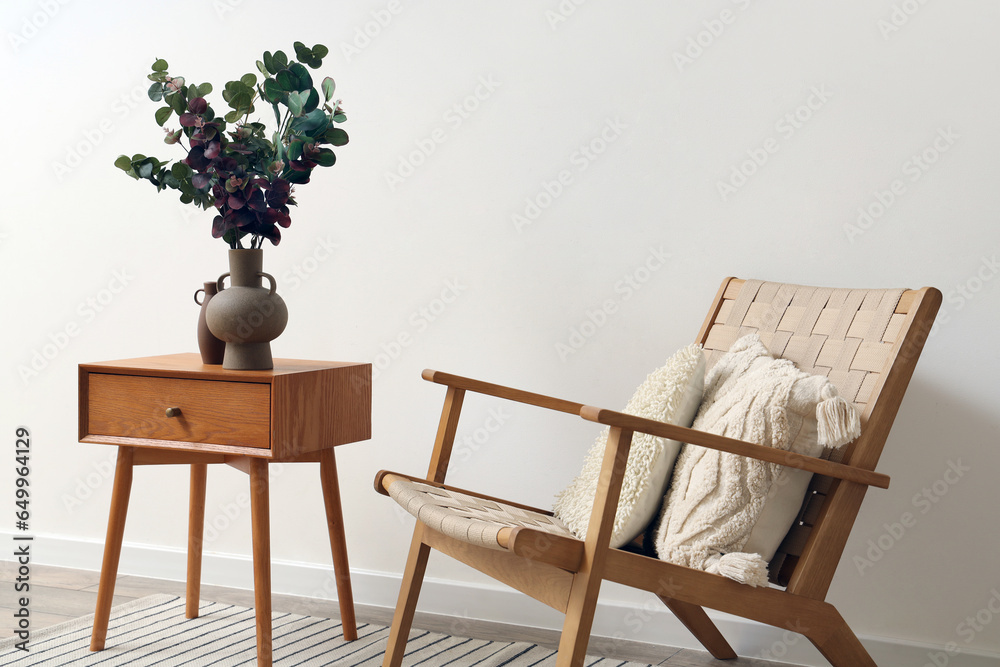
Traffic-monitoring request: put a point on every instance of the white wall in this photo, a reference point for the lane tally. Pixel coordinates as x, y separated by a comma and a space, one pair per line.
537, 83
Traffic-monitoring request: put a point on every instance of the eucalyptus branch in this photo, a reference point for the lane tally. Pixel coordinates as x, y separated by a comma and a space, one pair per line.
231, 164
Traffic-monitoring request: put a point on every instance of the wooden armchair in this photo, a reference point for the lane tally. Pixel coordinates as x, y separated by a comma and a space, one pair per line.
866, 341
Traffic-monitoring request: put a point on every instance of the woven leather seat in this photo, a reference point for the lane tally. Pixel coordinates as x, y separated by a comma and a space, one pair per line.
469, 518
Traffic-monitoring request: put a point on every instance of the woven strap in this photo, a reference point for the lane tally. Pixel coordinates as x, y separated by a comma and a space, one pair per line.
466, 517
844, 334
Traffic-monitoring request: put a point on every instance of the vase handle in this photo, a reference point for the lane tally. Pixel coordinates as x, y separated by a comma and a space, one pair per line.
222, 279
270, 279
202, 290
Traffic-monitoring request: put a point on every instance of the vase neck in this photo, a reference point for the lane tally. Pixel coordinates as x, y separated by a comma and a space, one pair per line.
245, 266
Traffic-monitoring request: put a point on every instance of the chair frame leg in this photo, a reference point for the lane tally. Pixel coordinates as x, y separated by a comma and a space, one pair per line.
842, 648
338, 542
196, 536
406, 605
112, 546
701, 626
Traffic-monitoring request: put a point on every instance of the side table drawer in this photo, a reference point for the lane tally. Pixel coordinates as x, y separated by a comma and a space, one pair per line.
211, 411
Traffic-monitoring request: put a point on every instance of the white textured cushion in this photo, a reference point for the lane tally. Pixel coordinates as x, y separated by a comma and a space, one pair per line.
726, 513
670, 394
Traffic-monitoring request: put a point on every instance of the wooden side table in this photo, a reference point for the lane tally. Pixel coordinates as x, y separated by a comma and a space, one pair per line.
174, 409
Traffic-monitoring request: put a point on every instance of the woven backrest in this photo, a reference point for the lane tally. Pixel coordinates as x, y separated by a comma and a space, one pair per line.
847, 335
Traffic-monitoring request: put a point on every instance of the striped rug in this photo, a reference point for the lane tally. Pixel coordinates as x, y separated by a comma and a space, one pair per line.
153, 631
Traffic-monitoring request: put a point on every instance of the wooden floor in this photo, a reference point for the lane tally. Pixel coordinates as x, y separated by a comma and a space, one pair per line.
61, 594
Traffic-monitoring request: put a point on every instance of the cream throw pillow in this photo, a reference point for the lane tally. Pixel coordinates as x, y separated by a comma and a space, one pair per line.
670, 394
726, 513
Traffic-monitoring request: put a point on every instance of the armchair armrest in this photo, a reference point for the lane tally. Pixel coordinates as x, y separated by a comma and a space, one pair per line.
501, 391
733, 446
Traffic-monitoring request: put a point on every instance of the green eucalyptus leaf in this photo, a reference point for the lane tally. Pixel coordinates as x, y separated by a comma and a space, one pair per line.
286, 81
181, 171
249, 80
305, 81
144, 170
312, 101
320, 51
262, 68
295, 103
125, 164
339, 117
295, 150
326, 158
328, 85
312, 123
178, 103
269, 63
297, 177
160, 65
233, 116
336, 136
155, 92
162, 114
272, 92
280, 61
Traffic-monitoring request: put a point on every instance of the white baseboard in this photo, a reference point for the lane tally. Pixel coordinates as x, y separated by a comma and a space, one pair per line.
650, 623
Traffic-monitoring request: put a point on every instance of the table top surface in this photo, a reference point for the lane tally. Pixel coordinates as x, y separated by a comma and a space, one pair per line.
189, 364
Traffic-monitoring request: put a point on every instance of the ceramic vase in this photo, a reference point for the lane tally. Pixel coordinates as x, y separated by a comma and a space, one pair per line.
246, 315
212, 349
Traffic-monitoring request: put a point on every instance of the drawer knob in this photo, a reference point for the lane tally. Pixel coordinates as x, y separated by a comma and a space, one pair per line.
173, 412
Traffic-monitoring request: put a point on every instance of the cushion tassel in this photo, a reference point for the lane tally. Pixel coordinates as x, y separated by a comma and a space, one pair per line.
837, 420
750, 569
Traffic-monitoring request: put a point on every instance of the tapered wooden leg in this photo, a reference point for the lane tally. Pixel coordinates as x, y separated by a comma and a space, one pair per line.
112, 547
338, 542
701, 626
196, 534
260, 519
842, 648
575, 635
406, 605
